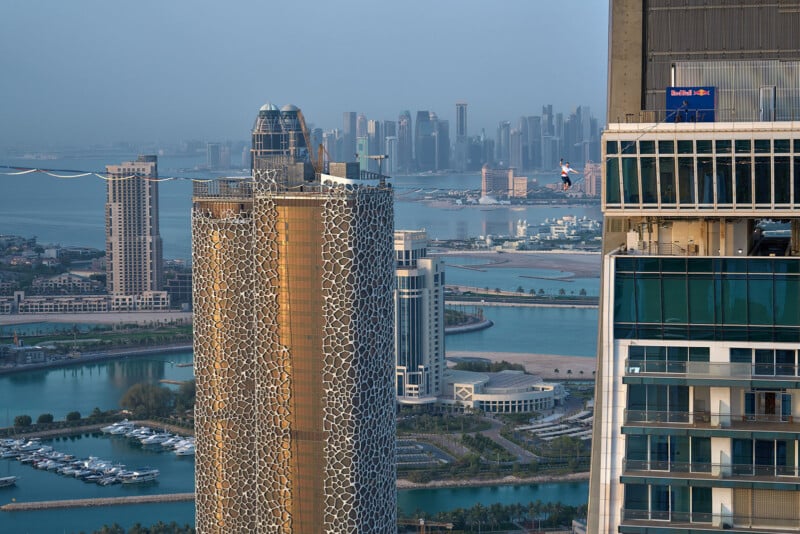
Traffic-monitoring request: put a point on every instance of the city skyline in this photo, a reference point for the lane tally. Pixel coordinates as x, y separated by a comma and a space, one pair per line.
210, 51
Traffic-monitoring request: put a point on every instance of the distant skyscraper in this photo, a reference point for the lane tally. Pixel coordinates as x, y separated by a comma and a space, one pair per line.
442, 145
462, 140
361, 125
405, 142
293, 325
390, 129
425, 142
419, 319
503, 143
348, 137
497, 183
390, 165
133, 243
515, 149
376, 142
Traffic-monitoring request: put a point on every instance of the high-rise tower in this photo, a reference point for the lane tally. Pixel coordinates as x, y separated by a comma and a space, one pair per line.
293, 348
133, 243
419, 319
698, 384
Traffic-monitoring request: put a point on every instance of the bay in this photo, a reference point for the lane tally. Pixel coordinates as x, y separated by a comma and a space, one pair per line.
71, 211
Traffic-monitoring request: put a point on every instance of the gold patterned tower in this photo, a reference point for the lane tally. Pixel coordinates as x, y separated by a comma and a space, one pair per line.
294, 352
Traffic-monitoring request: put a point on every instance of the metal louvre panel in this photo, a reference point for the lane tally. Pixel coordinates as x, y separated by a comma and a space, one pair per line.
771, 507
741, 80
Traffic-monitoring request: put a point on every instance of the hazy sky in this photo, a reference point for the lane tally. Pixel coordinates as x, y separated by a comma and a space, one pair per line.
98, 71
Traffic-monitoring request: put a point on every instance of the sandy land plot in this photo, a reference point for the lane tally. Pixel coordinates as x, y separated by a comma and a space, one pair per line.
543, 365
97, 318
579, 264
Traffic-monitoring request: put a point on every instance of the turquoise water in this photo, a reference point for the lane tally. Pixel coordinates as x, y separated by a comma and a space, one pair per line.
83, 387
560, 330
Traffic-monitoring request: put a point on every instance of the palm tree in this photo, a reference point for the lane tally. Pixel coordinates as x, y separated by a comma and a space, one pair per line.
555, 370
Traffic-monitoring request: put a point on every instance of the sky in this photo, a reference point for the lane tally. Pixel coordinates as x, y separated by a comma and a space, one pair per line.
83, 72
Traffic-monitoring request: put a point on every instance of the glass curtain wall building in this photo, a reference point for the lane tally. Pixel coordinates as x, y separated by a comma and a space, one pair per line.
419, 319
698, 371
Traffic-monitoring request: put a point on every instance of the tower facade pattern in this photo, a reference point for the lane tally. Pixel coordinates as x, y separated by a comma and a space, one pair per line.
294, 353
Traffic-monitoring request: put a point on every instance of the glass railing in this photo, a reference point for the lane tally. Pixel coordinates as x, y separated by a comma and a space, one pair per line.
701, 418
733, 522
714, 469
713, 369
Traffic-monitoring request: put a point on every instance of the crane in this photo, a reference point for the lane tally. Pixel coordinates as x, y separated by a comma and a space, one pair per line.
318, 163
379, 158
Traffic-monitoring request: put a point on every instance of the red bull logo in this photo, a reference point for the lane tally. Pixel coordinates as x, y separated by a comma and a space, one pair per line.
702, 92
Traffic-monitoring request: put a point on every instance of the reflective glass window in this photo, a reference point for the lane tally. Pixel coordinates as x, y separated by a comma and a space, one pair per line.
744, 179
734, 299
703, 146
763, 185
796, 180
636, 448
624, 299
705, 180
647, 147
636, 498
762, 146
686, 180
782, 146
781, 179
724, 181
628, 147
648, 299
685, 147
630, 181
675, 306
741, 355
667, 177
668, 147
759, 294
797, 145
723, 146
612, 181
612, 147
742, 146
649, 185
701, 300
787, 301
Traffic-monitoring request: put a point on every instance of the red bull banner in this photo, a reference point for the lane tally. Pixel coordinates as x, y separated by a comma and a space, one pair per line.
691, 104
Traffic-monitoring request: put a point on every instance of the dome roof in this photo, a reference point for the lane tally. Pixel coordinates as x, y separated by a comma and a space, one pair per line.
269, 107
289, 107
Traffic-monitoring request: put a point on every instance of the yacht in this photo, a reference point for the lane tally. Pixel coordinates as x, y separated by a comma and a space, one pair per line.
138, 476
8, 481
187, 450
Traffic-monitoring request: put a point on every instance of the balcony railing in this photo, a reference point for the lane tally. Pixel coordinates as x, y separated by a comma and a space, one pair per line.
725, 521
702, 418
713, 469
721, 370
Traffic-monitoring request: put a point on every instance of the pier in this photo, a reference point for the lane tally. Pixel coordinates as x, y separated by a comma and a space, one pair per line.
100, 501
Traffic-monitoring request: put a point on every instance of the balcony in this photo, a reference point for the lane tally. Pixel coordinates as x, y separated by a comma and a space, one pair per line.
745, 422
633, 520
706, 470
713, 370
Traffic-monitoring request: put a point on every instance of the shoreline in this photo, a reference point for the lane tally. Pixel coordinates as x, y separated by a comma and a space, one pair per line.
511, 480
111, 354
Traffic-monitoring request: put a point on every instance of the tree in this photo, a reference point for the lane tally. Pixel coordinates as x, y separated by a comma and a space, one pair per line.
561, 292
555, 370
184, 398
44, 418
541, 292
23, 420
96, 413
73, 416
532, 292
497, 290
147, 399
520, 289
582, 292
569, 372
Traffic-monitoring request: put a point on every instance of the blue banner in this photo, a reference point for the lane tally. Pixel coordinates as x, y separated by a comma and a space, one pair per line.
691, 104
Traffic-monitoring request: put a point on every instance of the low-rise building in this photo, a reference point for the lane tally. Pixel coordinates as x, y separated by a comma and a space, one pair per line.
503, 392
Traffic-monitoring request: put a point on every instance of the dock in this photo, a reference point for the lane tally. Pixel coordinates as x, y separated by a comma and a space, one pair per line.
101, 501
